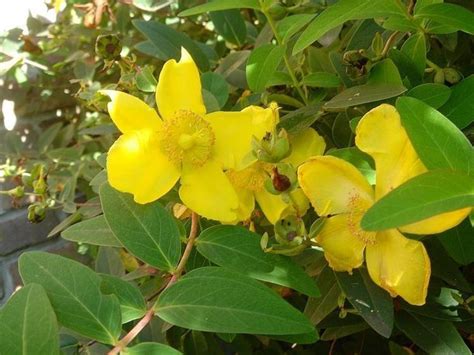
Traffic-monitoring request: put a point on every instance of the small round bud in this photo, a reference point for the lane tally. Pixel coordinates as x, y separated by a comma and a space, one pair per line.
17, 192
451, 75
36, 213
277, 11
108, 47
439, 77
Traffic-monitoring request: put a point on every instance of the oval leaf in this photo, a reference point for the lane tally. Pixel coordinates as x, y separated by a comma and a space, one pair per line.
218, 300
93, 231
451, 15
147, 231
432, 94
262, 64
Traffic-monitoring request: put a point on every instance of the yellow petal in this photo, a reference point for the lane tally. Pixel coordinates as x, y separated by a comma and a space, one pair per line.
246, 203
136, 165
300, 202
437, 224
399, 265
179, 87
129, 113
381, 135
234, 131
207, 191
334, 186
272, 206
343, 250
304, 145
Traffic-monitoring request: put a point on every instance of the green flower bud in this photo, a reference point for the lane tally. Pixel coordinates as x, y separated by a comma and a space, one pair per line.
36, 213
277, 11
17, 192
290, 231
439, 77
39, 186
108, 47
283, 179
271, 148
377, 44
451, 75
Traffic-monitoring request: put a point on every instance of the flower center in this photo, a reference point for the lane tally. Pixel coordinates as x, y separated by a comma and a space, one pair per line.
187, 139
251, 178
358, 207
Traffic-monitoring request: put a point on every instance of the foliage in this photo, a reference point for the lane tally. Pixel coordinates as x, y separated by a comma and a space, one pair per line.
168, 280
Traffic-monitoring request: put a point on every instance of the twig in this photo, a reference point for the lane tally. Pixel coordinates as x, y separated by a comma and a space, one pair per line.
176, 275
389, 43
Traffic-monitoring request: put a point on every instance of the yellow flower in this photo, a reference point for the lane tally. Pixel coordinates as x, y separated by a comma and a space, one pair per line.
152, 154
249, 182
340, 192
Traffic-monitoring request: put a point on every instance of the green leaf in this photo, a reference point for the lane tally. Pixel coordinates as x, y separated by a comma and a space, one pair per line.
290, 25
145, 80
28, 324
460, 106
262, 64
296, 121
421, 197
216, 84
150, 349
372, 302
147, 231
74, 292
318, 308
432, 335
168, 42
451, 15
230, 25
93, 231
336, 327
238, 249
221, 5
359, 159
435, 95
322, 80
214, 299
459, 243
415, 48
132, 303
108, 261
438, 142
343, 11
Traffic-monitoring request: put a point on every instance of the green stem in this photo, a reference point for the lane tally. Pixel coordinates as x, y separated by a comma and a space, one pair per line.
433, 65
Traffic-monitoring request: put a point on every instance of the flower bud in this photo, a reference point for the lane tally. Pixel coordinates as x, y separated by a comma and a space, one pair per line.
377, 44
439, 77
17, 192
108, 47
283, 179
451, 75
271, 148
36, 213
39, 186
277, 11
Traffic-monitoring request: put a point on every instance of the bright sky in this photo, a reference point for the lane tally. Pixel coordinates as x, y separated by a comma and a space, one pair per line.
15, 14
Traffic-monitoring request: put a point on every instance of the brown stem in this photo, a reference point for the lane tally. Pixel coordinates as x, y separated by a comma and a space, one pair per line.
176, 275
389, 43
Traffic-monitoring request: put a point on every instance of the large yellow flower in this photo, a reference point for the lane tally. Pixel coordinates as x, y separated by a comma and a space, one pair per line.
152, 154
340, 192
249, 182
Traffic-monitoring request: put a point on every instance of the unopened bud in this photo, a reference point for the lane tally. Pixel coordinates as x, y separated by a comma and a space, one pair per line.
277, 11
17, 192
439, 77
36, 213
108, 47
39, 186
451, 75
271, 148
377, 44
283, 179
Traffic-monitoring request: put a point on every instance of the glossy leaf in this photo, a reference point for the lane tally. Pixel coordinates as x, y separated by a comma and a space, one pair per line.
435, 95
74, 292
460, 106
372, 302
28, 324
218, 300
455, 16
221, 5
415, 48
238, 249
147, 231
93, 231
230, 25
290, 25
262, 64
438, 142
421, 197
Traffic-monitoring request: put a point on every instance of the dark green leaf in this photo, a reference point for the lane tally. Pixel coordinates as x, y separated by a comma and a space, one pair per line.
438, 142
108, 261
322, 80
434, 95
168, 42
459, 243
363, 94
262, 64
150, 349
238, 249
28, 324
218, 300
221, 5
147, 231
93, 231
74, 292
433, 336
230, 25
421, 197
372, 302
145, 80
131, 300
415, 48
296, 121
451, 15
216, 84
460, 106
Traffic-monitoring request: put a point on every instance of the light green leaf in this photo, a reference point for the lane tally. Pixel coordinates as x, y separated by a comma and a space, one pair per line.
28, 324
132, 303
432, 94
93, 231
421, 197
262, 64
290, 25
459, 243
74, 292
434, 336
359, 159
342, 11
218, 300
230, 25
238, 249
460, 106
150, 349
451, 15
221, 5
145, 80
147, 231
322, 80
438, 142
373, 303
